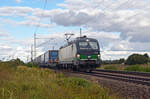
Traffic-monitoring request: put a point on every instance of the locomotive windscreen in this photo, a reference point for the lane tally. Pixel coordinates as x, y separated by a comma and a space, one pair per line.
88, 45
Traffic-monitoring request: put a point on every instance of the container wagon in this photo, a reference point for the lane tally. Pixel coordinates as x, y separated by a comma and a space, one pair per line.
38, 60
42, 59
51, 58
48, 59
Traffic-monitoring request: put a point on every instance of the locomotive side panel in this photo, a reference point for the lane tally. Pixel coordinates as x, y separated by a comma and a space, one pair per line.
67, 54
74, 50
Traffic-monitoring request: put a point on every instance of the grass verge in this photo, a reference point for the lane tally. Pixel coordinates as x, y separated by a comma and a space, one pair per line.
111, 68
137, 68
35, 83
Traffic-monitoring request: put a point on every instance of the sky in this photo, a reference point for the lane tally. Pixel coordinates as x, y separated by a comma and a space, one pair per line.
120, 26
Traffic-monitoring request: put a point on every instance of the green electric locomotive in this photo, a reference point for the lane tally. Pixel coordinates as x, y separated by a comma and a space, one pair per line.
81, 54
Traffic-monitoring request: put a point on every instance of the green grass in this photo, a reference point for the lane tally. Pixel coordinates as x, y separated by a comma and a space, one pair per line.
138, 68
34, 83
111, 68
32, 65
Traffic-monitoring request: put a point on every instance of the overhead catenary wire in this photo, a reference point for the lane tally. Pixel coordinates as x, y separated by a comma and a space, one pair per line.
44, 7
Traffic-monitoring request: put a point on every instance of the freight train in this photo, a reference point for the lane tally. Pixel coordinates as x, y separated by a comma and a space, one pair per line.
81, 54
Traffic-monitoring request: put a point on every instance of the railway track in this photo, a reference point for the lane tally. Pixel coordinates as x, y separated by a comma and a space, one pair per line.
131, 77
144, 74
142, 78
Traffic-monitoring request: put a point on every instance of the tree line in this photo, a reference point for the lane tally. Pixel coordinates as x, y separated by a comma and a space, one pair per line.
131, 60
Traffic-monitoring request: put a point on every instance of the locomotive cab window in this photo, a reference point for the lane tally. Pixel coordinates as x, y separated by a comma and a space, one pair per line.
88, 45
83, 45
93, 45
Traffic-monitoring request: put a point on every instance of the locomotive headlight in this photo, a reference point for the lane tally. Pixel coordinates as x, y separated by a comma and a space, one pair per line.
87, 40
78, 55
99, 56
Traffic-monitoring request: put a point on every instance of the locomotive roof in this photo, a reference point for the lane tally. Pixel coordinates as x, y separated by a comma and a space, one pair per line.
84, 38
78, 39
52, 51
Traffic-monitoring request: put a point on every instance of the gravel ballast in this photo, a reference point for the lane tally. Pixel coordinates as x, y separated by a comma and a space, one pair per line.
125, 89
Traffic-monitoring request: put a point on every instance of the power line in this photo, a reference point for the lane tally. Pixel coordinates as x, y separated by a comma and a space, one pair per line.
45, 41
40, 17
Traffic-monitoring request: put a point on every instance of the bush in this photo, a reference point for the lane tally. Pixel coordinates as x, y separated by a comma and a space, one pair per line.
31, 64
137, 59
120, 61
12, 63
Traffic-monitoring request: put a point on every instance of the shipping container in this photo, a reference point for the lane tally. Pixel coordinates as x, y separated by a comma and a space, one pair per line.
51, 57
38, 59
42, 59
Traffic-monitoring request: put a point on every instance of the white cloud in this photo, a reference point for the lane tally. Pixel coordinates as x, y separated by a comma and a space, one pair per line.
19, 1
129, 17
3, 35
34, 23
15, 11
13, 48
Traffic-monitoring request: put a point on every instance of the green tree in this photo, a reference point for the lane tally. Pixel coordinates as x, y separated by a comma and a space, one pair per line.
16, 62
146, 55
121, 60
136, 59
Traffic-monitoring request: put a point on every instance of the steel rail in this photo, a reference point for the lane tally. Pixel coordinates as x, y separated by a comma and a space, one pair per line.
122, 77
145, 74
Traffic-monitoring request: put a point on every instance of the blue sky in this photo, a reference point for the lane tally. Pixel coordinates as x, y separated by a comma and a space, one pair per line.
51, 4
20, 32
